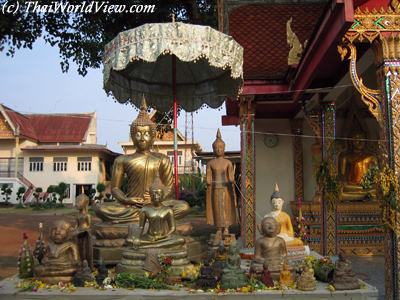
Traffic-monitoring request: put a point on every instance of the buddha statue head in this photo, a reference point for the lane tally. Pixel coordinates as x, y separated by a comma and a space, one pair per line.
357, 142
82, 201
269, 227
157, 192
218, 145
61, 232
143, 130
276, 200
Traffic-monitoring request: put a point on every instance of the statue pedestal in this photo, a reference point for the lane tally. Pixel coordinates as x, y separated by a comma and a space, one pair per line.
133, 260
110, 242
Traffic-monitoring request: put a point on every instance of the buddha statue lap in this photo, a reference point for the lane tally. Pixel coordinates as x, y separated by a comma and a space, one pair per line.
61, 256
286, 228
159, 239
221, 197
353, 165
270, 250
140, 168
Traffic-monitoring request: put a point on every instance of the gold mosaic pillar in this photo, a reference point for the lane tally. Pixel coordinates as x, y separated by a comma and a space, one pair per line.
329, 199
297, 131
388, 73
248, 180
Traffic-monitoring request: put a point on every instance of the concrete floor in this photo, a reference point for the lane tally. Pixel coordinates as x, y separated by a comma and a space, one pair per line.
371, 270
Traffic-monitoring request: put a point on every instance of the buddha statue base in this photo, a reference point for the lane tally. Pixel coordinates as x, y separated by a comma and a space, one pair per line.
110, 235
134, 260
227, 240
55, 279
55, 273
296, 253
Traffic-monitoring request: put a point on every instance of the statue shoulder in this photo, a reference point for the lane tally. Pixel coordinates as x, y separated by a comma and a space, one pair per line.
160, 156
123, 158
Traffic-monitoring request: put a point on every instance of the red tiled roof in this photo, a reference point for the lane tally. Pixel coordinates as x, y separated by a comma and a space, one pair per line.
55, 128
261, 30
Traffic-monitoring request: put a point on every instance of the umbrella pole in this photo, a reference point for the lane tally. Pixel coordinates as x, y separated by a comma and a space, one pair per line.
175, 127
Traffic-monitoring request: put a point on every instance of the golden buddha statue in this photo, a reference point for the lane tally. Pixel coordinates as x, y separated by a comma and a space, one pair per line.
61, 256
161, 229
286, 277
141, 168
270, 250
221, 197
286, 227
353, 165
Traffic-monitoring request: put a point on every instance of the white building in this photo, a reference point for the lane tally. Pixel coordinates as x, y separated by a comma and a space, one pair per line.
39, 150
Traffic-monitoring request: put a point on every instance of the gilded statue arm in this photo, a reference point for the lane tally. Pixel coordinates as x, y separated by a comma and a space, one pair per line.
208, 175
116, 183
166, 176
142, 221
171, 223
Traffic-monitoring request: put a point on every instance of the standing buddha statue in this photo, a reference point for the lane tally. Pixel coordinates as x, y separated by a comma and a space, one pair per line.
221, 197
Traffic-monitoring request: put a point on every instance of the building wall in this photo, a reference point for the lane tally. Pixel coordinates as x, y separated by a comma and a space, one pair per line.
309, 182
7, 148
72, 176
273, 165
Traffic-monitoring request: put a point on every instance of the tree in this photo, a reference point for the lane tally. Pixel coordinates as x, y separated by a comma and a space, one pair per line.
61, 190
81, 36
100, 189
36, 195
21, 191
6, 192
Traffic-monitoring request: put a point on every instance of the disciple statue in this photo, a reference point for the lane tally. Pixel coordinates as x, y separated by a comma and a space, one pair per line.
286, 278
353, 165
61, 257
83, 237
140, 168
286, 228
343, 276
221, 198
161, 229
270, 250
159, 238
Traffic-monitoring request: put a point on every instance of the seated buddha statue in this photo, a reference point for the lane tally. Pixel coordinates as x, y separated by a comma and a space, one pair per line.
286, 227
232, 275
61, 258
140, 168
161, 220
343, 277
270, 250
353, 165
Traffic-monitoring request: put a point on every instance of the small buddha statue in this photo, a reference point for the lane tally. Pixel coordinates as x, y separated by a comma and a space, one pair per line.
141, 168
61, 257
232, 275
221, 197
353, 165
307, 281
83, 236
286, 278
343, 276
207, 278
159, 238
286, 227
161, 229
270, 250
83, 274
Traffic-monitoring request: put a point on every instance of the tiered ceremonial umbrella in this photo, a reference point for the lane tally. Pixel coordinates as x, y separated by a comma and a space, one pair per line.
171, 62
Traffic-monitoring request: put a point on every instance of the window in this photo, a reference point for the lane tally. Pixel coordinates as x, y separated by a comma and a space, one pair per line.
84, 163
36, 164
171, 157
60, 164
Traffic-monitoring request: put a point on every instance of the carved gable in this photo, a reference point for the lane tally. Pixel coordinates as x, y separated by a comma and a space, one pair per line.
5, 130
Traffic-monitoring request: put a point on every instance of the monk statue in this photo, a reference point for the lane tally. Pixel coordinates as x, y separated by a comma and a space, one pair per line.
221, 197
83, 236
140, 168
61, 258
146, 245
270, 250
353, 165
161, 220
286, 227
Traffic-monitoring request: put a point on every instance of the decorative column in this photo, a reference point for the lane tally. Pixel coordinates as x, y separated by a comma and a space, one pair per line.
248, 180
388, 74
297, 131
382, 29
329, 199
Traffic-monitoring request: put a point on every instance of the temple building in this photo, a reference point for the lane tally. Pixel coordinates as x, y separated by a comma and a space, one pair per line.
39, 150
319, 116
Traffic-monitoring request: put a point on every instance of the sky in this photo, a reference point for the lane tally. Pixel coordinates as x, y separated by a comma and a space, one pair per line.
32, 82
